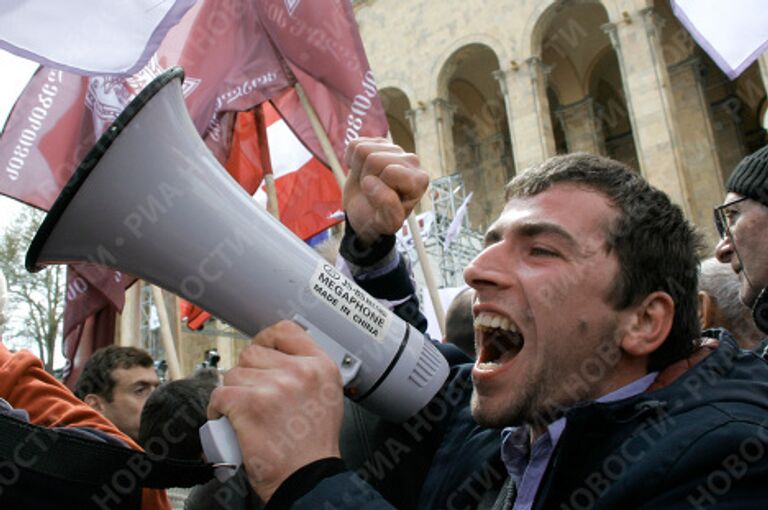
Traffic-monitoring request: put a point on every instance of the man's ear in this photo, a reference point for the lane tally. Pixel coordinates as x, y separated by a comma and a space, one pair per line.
94, 401
649, 324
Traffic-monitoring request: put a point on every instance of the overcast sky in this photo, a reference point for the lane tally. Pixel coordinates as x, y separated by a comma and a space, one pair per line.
15, 72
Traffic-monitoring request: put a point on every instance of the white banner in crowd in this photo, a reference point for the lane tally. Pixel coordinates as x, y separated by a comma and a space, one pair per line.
733, 33
458, 220
89, 36
446, 296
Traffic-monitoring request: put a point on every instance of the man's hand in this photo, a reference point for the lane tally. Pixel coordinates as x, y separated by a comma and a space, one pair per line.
285, 402
384, 185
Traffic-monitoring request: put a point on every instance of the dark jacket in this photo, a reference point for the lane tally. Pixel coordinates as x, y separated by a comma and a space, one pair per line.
701, 442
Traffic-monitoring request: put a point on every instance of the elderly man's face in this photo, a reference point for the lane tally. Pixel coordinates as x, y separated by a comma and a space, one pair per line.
745, 247
542, 310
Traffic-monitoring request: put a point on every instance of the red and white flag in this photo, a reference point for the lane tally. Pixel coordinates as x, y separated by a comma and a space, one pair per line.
89, 36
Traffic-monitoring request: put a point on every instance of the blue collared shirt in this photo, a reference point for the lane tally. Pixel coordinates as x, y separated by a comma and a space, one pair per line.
527, 463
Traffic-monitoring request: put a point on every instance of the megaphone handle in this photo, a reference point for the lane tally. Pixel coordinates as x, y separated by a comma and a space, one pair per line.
221, 447
218, 437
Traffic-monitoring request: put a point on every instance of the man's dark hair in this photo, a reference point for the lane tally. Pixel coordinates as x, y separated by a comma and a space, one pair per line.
459, 326
656, 246
173, 415
97, 377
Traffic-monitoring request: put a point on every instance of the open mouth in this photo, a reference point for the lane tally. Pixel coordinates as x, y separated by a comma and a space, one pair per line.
500, 340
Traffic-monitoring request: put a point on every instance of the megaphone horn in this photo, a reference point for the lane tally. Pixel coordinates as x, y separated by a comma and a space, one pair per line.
151, 200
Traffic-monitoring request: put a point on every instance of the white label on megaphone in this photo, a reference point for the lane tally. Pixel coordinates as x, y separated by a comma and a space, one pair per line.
346, 298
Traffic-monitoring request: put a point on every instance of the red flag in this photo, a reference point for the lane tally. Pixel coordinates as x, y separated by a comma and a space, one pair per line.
95, 332
93, 297
91, 288
245, 162
195, 316
321, 45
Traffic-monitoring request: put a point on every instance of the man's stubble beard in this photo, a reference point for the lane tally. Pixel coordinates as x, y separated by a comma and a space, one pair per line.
546, 398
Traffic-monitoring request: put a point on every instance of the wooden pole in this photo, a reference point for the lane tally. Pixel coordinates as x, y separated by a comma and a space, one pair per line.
333, 160
429, 277
130, 318
322, 136
174, 370
272, 205
266, 161
177, 334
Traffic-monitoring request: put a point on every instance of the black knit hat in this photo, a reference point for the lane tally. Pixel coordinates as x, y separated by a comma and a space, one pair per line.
750, 177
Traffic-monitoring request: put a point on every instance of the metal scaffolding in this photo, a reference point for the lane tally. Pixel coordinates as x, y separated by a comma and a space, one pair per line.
447, 194
150, 338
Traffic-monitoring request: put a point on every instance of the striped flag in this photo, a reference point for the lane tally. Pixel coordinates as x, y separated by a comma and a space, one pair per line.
308, 195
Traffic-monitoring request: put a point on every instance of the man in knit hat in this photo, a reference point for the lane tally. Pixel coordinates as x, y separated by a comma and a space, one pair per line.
742, 222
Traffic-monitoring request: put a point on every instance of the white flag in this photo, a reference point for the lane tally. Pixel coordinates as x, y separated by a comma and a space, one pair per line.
455, 226
92, 37
733, 33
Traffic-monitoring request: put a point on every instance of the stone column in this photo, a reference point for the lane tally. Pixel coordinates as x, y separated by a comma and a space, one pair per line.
729, 140
525, 97
443, 111
225, 346
432, 133
693, 120
583, 129
649, 102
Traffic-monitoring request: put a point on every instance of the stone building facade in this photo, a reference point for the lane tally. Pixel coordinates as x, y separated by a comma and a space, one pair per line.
488, 88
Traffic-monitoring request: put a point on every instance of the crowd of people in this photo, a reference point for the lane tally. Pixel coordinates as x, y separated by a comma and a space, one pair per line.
606, 368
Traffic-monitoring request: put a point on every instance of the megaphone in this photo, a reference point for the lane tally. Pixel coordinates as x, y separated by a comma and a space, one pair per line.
150, 200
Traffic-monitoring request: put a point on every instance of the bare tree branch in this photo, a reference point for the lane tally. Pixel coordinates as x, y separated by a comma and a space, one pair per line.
35, 304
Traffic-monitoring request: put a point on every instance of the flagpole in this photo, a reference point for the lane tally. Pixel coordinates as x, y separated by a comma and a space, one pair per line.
174, 370
130, 318
269, 179
272, 206
322, 136
333, 160
426, 268
177, 332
